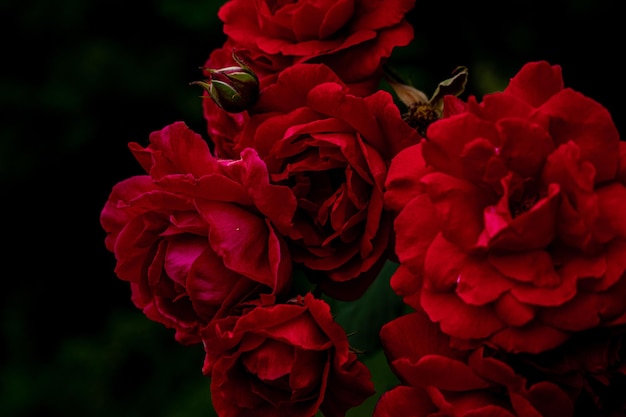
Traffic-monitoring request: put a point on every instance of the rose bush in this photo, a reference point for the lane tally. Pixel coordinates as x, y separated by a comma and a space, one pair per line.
197, 235
493, 232
353, 37
332, 149
511, 227
287, 359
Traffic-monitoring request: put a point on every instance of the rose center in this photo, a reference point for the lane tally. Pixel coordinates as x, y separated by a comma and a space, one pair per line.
524, 197
419, 116
317, 191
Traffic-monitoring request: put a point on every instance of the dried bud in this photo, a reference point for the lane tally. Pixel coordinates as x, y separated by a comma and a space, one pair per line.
421, 111
234, 88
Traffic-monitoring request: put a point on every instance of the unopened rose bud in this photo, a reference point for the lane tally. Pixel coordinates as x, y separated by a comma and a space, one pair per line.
234, 88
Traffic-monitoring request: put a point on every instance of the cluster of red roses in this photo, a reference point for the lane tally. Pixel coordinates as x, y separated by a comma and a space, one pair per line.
505, 218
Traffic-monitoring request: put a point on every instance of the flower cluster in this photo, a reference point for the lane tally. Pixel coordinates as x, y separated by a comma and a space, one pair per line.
502, 218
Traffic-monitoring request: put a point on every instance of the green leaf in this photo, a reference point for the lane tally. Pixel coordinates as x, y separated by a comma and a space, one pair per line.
382, 377
363, 318
452, 86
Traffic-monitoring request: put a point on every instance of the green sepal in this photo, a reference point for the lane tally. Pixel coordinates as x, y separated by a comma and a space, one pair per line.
244, 78
452, 86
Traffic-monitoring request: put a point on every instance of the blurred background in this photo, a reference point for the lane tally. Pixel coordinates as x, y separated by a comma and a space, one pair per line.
79, 80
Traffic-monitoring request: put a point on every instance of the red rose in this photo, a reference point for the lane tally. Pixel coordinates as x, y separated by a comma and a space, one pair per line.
284, 360
590, 366
197, 234
353, 37
438, 381
512, 230
333, 150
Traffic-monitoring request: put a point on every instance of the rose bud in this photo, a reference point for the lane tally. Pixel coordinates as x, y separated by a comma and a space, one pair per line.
234, 88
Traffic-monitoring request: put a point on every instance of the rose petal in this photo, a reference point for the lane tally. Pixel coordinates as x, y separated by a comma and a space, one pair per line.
269, 361
459, 319
512, 312
448, 137
407, 285
612, 204
587, 123
525, 146
427, 339
532, 338
245, 241
478, 283
436, 370
416, 226
536, 82
403, 401
459, 205
533, 267
403, 178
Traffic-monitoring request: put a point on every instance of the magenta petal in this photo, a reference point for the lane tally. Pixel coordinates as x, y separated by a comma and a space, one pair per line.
180, 256
210, 283
243, 240
251, 172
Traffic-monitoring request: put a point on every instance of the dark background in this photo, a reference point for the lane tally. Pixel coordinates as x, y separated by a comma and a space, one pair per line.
82, 79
